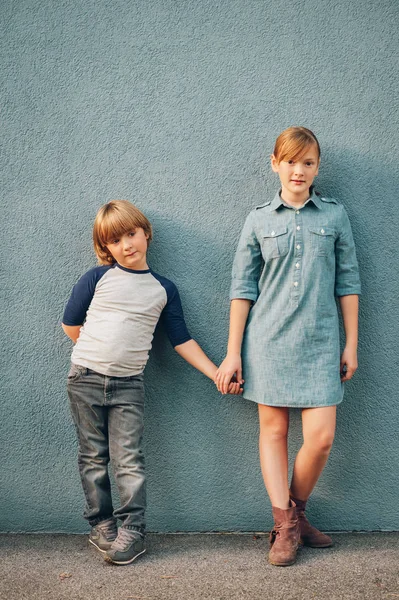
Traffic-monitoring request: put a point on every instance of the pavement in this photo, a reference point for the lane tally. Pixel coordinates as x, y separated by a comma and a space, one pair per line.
199, 566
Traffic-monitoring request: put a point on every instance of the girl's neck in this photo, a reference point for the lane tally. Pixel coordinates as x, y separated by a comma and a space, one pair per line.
295, 199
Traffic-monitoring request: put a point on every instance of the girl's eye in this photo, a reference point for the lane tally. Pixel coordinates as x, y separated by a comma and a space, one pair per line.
132, 233
290, 162
309, 164
114, 241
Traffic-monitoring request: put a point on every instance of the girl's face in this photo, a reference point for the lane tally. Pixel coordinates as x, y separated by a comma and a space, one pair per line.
297, 176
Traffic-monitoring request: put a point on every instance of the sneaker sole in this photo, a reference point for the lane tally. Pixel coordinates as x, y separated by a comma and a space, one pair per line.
123, 562
98, 547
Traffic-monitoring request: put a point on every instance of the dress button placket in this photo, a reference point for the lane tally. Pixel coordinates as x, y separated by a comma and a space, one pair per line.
298, 250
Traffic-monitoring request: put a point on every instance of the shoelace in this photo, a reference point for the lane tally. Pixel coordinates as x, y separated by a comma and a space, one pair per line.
125, 538
108, 529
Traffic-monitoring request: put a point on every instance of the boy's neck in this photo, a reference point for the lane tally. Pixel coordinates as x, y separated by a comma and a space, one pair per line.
139, 269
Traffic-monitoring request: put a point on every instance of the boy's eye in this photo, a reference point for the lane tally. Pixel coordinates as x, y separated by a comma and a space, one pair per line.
114, 241
309, 164
290, 162
132, 233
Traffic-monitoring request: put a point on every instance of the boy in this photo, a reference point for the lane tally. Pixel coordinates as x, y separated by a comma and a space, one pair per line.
111, 316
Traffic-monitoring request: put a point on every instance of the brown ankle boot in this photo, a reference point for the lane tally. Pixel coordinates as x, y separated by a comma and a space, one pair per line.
284, 538
309, 535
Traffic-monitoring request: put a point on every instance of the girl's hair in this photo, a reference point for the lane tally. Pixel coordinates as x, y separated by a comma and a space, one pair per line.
292, 143
113, 220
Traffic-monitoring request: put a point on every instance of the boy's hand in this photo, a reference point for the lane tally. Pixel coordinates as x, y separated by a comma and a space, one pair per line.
348, 364
230, 366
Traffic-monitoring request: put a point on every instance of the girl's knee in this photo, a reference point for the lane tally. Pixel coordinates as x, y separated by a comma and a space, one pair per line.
321, 441
273, 424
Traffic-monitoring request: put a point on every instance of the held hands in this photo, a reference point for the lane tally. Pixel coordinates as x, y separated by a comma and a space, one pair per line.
229, 375
348, 364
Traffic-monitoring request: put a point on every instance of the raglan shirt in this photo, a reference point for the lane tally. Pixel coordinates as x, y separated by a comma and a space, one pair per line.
119, 309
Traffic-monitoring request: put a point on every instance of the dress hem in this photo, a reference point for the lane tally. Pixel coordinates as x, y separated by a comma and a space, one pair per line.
293, 405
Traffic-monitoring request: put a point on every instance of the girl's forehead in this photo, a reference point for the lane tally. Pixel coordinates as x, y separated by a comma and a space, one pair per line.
310, 151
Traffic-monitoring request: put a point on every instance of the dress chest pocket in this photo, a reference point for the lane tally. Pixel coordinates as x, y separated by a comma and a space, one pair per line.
322, 240
274, 243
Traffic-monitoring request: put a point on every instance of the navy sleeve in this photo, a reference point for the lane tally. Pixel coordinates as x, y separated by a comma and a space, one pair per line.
172, 316
82, 295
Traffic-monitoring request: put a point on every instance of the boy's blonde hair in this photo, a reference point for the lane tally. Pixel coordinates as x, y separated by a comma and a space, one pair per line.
292, 143
113, 220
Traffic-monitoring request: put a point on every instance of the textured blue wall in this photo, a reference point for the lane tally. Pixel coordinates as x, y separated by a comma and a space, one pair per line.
175, 105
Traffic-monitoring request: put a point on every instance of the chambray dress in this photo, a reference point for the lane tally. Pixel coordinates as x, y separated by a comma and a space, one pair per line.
293, 263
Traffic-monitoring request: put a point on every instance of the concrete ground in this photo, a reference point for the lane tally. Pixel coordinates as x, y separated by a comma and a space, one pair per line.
199, 566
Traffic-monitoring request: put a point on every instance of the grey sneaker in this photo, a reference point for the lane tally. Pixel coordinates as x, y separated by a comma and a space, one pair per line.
103, 534
128, 546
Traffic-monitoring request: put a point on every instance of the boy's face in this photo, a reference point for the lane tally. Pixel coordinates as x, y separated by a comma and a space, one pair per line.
130, 249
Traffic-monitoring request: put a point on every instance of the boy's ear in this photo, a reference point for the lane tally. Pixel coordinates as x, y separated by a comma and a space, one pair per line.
274, 163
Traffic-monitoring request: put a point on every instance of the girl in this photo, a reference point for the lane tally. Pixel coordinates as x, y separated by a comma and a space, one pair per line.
295, 254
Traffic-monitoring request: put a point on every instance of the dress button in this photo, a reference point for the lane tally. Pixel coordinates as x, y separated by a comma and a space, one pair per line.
274, 233
298, 246
298, 228
297, 265
296, 284
321, 230
297, 212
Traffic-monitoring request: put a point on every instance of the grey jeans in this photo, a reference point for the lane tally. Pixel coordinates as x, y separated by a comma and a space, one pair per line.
108, 415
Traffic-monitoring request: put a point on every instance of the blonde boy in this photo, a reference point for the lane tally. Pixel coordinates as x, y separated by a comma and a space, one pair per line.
111, 316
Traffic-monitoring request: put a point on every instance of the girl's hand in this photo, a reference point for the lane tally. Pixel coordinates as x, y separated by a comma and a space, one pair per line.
348, 364
229, 367
235, 388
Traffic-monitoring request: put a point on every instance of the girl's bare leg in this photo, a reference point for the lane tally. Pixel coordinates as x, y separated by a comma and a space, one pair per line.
318, 426
273, 422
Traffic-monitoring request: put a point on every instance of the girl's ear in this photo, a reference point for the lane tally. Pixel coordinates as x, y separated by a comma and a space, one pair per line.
274, 163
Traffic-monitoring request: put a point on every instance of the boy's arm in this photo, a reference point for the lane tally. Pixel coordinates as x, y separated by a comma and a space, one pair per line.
72, 331
79, 302
195, 356
350, 311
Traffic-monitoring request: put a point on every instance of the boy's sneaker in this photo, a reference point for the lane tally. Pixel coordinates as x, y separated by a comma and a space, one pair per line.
128, 546
103, 534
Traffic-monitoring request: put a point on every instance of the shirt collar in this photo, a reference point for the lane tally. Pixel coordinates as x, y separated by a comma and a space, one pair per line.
277, 201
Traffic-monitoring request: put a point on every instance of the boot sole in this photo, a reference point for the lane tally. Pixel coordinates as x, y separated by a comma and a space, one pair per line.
282, 564
123, 562
319, 546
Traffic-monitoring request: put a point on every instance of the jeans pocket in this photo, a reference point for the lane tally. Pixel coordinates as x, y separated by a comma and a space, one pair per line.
275, 243
322, 240
75, 372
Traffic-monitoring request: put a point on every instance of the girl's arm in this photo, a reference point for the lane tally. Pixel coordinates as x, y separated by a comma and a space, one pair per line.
72, 331
195, 356
350, 311
231, 365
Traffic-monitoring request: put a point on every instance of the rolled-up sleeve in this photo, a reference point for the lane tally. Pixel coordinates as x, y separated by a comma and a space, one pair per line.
347, 279
247, 264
